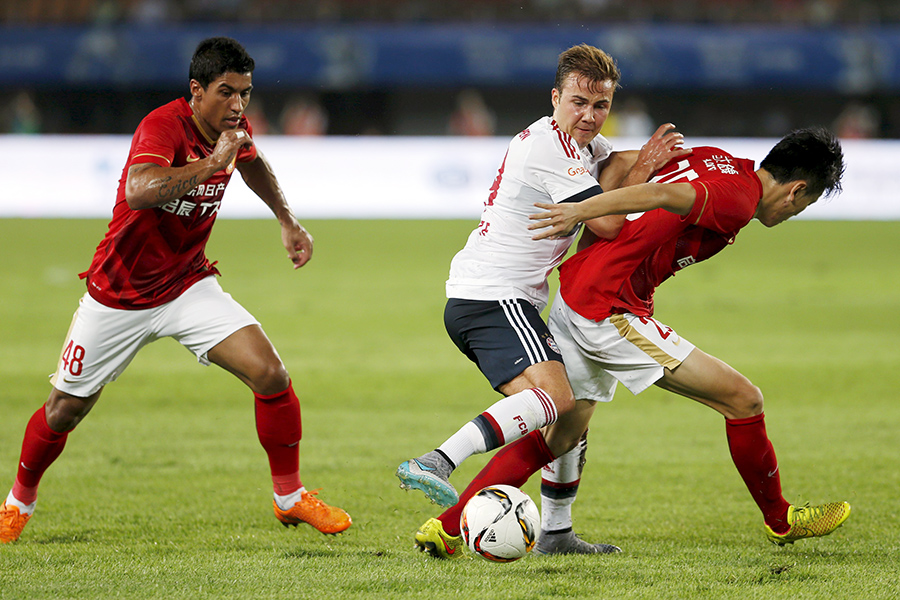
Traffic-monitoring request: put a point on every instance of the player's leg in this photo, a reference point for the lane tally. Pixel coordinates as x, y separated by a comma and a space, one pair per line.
512, 465
560, 481
512, 346
710, 381
515, 463
44, 440
222, 332
99, 345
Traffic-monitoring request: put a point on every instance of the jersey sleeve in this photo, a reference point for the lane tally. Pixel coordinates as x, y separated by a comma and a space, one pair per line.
556, 164
723, 204
156, 141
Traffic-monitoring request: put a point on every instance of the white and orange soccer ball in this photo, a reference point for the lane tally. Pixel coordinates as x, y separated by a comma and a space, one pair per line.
500, 523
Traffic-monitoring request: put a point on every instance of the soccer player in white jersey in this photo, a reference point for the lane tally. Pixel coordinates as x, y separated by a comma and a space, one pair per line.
498, 284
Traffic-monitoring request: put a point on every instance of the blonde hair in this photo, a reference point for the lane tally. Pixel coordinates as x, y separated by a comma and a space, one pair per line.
586, 61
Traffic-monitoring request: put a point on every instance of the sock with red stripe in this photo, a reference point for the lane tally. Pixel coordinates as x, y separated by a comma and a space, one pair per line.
559, 486
755, 459
512, 465
40, 447
279, 429
506, 421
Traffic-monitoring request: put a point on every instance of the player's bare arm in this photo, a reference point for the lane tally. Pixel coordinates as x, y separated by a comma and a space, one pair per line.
149, 185
560, 219
259, 177
615, 168
633, 167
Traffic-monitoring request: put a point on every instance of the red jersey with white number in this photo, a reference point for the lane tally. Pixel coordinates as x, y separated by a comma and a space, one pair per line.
500, 260
620, 275
150, 256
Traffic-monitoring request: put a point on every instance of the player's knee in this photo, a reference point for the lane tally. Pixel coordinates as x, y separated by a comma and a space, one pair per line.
271, 378
560, 438
748, 401
564, 401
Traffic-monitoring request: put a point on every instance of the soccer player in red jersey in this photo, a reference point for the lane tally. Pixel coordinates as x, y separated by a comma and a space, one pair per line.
602, 318
150, 278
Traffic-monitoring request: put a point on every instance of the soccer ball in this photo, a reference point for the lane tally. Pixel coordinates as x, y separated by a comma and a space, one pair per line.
500, 523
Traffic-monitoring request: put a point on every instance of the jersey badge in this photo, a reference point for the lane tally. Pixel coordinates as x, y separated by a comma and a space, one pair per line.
551, 343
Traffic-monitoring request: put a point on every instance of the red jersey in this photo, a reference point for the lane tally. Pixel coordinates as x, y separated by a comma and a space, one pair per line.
620, 275
150, 256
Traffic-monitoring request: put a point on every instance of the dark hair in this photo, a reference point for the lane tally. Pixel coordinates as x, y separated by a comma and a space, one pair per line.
587, 61
813, 155
216, 56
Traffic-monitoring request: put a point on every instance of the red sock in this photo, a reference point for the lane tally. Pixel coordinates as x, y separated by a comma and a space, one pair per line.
40, 447
755, 459
279, 429
512, 465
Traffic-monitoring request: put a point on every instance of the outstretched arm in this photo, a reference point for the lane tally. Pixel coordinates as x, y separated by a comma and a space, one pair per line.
259, 177
560, 219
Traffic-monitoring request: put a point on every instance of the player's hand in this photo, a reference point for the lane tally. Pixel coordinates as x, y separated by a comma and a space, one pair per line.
664, 145
298, 242
558, 220
229, 143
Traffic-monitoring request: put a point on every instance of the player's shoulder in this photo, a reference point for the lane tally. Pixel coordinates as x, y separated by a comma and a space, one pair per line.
537, 132
544, 139
174, 110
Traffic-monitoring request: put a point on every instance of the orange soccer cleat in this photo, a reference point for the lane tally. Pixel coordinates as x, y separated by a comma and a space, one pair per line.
325, 518
12, 522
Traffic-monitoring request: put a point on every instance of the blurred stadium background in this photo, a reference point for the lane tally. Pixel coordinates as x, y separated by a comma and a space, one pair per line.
738, 68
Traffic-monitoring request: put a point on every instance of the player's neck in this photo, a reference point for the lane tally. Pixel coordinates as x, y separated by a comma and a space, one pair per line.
204, 129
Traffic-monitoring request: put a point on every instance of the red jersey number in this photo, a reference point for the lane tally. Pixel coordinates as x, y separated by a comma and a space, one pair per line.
73, 359
664, 330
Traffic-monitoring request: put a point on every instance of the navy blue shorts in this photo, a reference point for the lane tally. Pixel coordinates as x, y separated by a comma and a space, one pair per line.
502, 337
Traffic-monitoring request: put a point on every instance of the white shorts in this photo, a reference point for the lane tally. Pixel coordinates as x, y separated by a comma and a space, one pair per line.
102, 341
624, 347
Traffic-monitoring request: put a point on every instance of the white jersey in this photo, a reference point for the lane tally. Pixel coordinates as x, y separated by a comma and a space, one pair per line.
500, 260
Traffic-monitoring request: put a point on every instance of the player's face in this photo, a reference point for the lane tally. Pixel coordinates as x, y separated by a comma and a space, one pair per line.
792, 203
221, 104
582, 106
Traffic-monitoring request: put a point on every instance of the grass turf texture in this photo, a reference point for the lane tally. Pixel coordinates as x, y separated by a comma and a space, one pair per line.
163, 492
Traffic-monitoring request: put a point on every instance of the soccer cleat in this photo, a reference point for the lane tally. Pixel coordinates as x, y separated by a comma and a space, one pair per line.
810, 521
429, 473
566, 542
12, 522
433, 540
325, 518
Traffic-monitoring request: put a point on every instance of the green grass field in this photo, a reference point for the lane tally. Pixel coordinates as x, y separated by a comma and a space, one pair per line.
163, 492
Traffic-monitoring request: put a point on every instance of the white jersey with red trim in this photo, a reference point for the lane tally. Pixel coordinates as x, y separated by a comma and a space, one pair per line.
500, 260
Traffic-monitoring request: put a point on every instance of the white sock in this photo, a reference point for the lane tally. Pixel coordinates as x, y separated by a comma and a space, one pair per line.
505, 421
24, 509
288, 501
559, 486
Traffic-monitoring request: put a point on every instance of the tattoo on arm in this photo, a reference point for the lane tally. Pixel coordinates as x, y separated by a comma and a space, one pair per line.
166, 190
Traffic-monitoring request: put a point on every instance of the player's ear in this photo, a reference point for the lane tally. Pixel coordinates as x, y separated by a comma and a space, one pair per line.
196, 89
554, 98
797, 190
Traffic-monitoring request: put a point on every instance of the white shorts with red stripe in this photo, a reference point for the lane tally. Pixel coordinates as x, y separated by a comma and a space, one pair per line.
102, 341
